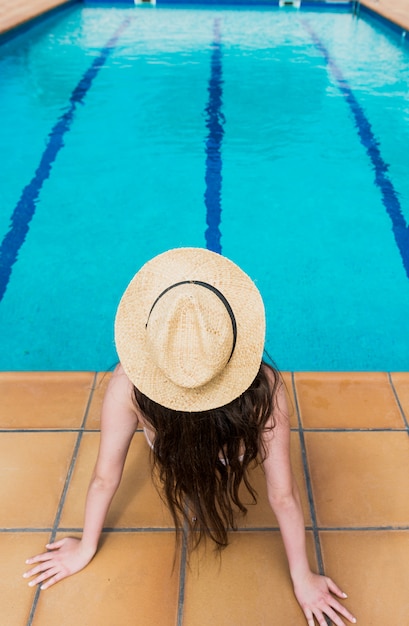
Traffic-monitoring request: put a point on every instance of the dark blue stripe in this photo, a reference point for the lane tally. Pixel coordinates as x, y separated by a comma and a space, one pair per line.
26, 206
389, 194
214, 124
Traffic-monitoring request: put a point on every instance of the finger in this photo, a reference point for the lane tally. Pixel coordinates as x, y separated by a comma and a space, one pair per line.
39, 568
310, 618
333, 587
43, 567
44, 576
44, 556
334, 617
52, 581
320, 618
342, 610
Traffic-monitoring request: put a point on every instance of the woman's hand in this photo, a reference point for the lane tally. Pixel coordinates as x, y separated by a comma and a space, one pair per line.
315, 596
63, 558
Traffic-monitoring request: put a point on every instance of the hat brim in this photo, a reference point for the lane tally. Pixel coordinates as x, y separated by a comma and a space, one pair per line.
245, 300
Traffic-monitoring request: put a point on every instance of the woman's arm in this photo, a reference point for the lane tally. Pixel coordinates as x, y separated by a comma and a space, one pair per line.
118, 424
313, 592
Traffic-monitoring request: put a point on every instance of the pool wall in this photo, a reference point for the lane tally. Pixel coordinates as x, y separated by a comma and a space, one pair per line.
398, 26
16, 18
383, 15
347, 4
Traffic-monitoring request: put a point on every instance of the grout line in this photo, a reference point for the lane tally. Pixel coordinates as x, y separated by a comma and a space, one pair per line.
316, 429
64, 493
354, 430
294, 429
182, 577
361, 528
327, 528
249, 529
307, 475
25, 530
129, 529
41, 430
260, 529
34, 605
395, 393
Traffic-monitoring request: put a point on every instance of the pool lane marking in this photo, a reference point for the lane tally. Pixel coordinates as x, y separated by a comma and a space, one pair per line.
390, 197
214, 123
26, 206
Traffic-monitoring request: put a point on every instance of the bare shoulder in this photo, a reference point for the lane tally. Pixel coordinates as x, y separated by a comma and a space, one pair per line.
278, 388
118, 402
119, 420
120, 387
271, 374
276, 436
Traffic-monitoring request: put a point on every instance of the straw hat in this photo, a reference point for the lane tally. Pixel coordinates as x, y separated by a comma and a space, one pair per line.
190, 329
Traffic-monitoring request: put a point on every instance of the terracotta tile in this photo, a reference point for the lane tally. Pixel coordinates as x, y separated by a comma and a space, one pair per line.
373, 569
347, 400
44, 399
94, 411
136, 503
401, 383
360, 479
249, 584
16, 596
130, 581
261, 515
33, 467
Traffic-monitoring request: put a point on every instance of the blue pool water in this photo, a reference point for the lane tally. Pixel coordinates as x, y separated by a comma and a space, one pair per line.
275, 137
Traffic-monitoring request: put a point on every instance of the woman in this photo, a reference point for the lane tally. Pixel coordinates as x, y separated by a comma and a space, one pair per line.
189, 333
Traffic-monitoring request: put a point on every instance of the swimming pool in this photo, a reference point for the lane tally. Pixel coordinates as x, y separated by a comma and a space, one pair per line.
275, 137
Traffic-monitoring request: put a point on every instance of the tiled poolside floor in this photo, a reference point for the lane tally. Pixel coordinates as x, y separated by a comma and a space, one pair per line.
351, 458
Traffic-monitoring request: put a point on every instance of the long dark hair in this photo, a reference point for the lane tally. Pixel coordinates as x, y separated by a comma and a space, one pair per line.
202, 458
